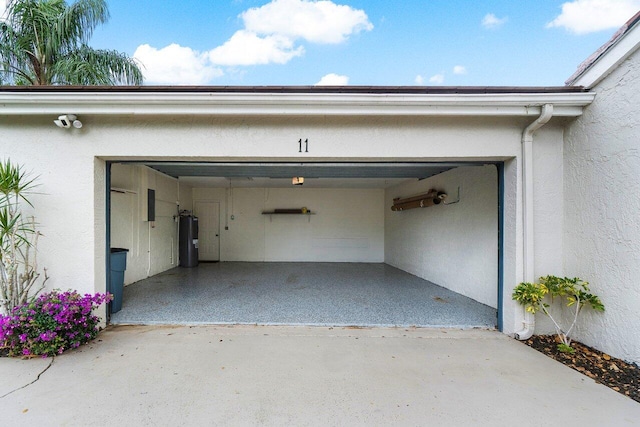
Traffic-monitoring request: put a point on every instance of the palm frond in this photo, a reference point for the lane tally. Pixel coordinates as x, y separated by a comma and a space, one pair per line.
77, 22
87, 66
45, 42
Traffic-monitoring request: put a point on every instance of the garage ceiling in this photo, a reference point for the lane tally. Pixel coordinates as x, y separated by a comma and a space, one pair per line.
308, 170
316, 174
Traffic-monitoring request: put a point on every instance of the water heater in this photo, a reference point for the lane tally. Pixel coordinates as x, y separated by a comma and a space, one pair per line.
188, 241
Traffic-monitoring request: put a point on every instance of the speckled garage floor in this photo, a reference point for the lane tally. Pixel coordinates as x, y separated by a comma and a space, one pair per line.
327, 294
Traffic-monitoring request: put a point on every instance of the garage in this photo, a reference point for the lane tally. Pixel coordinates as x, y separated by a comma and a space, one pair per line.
497, 152
313, 243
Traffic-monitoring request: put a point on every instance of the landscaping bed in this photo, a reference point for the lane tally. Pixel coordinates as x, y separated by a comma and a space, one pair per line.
614, 373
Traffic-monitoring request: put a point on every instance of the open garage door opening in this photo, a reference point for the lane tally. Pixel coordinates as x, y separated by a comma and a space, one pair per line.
309, 243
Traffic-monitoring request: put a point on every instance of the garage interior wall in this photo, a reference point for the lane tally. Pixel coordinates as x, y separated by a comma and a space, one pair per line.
455, 245
153, 246
346, 225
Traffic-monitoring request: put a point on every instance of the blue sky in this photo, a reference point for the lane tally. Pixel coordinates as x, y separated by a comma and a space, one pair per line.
361, 42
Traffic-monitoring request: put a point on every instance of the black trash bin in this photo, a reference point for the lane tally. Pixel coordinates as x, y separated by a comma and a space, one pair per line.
118, 263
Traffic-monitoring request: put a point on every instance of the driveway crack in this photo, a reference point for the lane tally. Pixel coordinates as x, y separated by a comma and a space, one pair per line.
32, 382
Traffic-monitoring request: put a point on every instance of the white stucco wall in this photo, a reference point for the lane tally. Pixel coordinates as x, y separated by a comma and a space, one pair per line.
347, 225
69, 182
602, 210
454, 246
548, 203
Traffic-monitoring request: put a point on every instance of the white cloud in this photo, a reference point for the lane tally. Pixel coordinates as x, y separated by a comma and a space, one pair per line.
588, 16
269, 37
491, 21
459, 69
315, 21
333, 80
3, 8
247, 48
419, 80
176, 65
438, 79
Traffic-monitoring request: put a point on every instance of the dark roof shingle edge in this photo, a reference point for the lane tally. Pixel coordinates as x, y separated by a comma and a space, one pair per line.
419, 90
602, 50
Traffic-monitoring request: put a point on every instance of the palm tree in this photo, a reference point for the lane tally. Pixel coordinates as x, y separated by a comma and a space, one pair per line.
44, 42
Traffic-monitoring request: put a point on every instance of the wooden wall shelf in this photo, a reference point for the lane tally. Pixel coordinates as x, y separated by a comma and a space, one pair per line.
288, 212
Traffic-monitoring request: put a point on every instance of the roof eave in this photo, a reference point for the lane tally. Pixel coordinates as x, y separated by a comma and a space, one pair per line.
566, 103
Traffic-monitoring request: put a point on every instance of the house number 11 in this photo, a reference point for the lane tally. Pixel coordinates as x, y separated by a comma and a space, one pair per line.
306, 145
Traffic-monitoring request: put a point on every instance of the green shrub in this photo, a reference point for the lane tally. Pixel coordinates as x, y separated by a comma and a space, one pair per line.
573, 293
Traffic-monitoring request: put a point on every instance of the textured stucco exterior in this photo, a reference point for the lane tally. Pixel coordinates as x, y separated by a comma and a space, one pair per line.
602, 210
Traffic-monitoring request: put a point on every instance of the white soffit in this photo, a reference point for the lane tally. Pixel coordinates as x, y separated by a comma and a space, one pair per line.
566, 104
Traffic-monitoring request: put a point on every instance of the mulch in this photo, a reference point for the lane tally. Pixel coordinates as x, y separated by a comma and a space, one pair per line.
614, 373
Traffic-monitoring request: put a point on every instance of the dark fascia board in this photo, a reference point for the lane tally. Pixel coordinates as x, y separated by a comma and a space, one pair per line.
462, 90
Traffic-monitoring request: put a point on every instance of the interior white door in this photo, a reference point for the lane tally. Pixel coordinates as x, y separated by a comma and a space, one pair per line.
208, 214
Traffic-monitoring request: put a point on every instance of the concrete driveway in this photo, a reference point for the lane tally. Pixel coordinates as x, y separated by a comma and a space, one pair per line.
266, 375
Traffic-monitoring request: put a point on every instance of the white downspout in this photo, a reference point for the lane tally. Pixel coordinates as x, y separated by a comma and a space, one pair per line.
528, 323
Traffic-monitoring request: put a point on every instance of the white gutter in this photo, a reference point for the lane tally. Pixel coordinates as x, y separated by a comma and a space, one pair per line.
527, 218
278, 104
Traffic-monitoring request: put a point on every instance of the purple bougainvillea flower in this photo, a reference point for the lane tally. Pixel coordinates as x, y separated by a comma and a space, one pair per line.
57, 320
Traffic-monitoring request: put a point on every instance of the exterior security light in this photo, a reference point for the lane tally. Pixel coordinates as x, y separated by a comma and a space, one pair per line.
297, 180
67, 120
